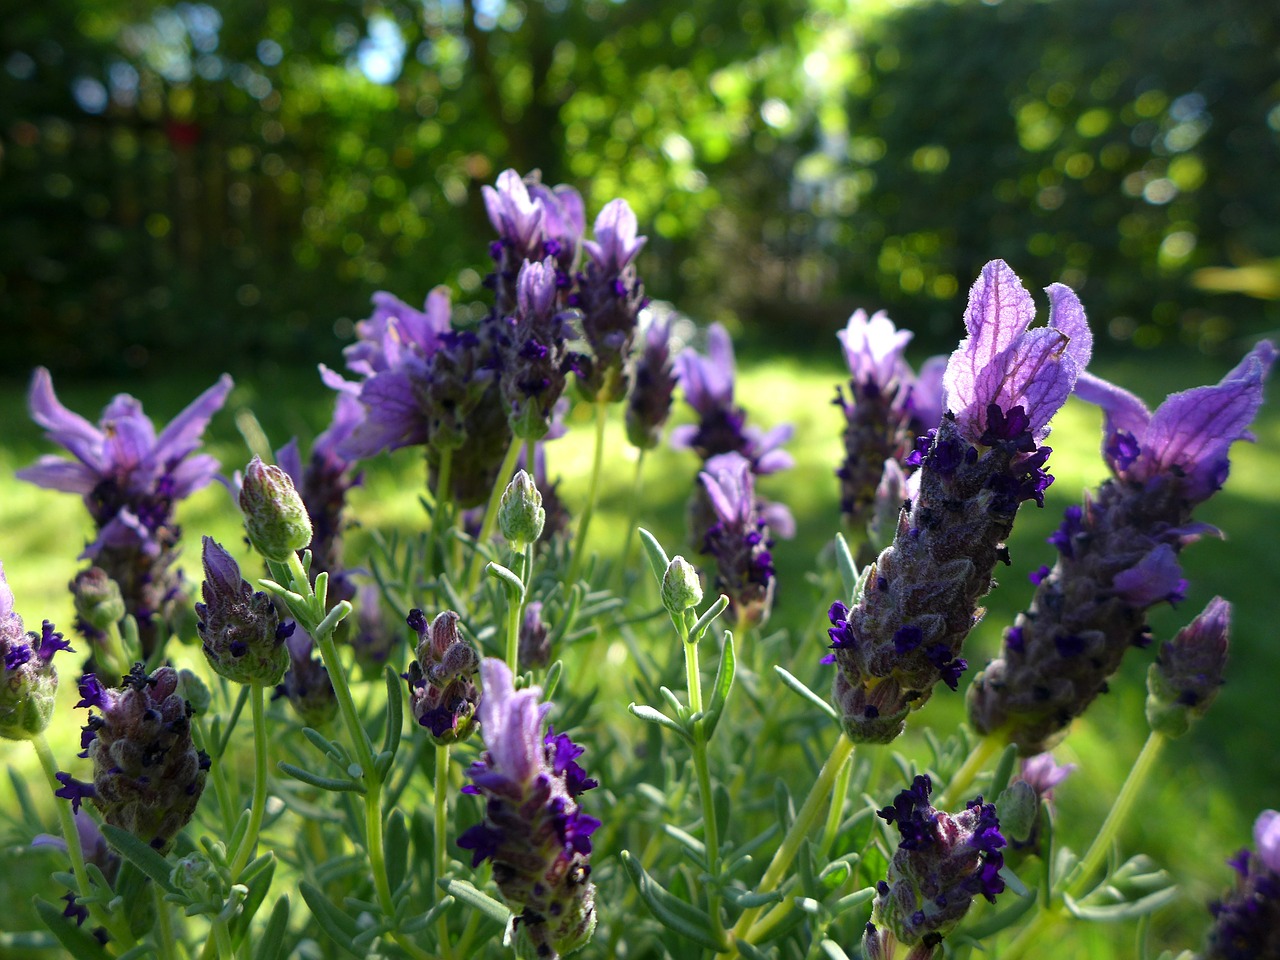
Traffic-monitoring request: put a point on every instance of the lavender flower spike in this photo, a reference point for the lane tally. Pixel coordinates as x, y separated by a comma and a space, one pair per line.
942, 863
1184, 680
28, 680
130, 478
1117, 554
653, 383
738, 538
533, 831
905, 632
1246, 922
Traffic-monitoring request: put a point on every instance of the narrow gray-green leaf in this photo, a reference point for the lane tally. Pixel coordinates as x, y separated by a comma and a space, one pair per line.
674, 913
396, 845
420, 923
648, 713
658, 559
848, 568
1117, 912
725, 672
395, 712
324, 783
339, 927
141, 855
798, 687
700, 625
79, 943
466, 894
272, 939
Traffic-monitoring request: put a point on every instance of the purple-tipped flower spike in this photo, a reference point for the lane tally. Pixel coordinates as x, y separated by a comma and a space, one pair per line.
534, 360
610, 296
442, 688
533, 222
942, 862
98, 602
1117, 556
904, 634
130, 479
28, 680
275, 517
534, 833
535, 637
323, 483
721, 427
1246, 922
147, 773
306, 684
564, 218
1188, 671
738, 538
653, 383
877, 417
240, 628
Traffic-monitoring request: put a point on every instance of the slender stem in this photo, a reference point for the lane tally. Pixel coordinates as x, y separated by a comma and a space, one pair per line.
236, 710
819, 794
836, 811
597, 466
220, 787
65, 817
439, 517
978, 757
491, 512
441, 805
1119, 811
222, 937
710, 829
166, 945
250, 839
524, 560
637, 488
374, 842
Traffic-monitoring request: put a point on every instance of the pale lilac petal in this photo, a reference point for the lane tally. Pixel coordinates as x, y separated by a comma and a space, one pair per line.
67, 429
616, 243
536, 288
726, 508
779, 519
775, 461
289, 460
928, 398
6, 597
1000, 310
123, 530
348, 414
1266, 838
1156, 577
511, 722
683, 436
55, 473
182, 435
1123, 411
1035, 378
873, 347
335, 381
1043, 773
721, 367
194, 473
1066, 314
130, 442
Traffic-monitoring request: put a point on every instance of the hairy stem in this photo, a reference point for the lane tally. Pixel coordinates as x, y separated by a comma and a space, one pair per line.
250, 839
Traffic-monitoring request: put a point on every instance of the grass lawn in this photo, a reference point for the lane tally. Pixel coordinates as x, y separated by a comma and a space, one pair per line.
1196, 810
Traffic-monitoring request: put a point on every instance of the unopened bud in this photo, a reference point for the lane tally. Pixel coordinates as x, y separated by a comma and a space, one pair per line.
97, 598
520, 514
192, 689
681, 586
1185, 678
1018, 807
274, 515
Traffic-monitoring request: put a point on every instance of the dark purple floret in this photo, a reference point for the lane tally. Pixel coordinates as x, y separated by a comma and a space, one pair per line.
1072, 526
92, 692
17, 654
74, 790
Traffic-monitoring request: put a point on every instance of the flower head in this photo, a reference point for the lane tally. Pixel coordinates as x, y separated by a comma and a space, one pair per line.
942, 862
533, 222
533, 831
738, 537
1186, 441
275, 518
442, 689
654, 381
242, 636
28, 680
1184, 680
534, 358
147, 773
1246, 923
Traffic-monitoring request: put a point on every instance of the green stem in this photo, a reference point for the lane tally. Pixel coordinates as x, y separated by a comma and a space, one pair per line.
441, 810
220, 788
1119, 812
236, 710
166, 944
440, 516
819, 794
836, 811
978, 758
515, 606
597, 466
222, 937
491, 513
710, 829
250, 839
637, 488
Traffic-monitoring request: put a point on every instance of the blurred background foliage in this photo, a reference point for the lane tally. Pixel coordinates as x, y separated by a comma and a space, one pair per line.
193, 185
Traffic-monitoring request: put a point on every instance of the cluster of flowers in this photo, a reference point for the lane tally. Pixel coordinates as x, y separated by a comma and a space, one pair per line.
937, 464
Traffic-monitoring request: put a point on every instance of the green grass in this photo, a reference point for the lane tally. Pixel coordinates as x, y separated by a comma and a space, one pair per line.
1197, 809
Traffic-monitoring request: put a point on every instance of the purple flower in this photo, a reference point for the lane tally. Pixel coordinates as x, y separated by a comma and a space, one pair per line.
975, 470
130, 479
306, 683
1004, 363
942, 862
533, 831
708, 387
1118, 554
533, 222
147, 773
1186, 441
873, 349
1246, 923
28, 680
610, 296
239, 627
649, 403
1184, 680
442, 689
1044, 773
535, 637
534, 358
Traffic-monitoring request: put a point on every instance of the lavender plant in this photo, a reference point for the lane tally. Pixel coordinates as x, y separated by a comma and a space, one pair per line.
483, 793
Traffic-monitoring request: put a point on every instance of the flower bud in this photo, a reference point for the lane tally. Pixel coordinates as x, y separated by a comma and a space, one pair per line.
681, 586
97, 598
274, 515
1019, 806
520, 514
1185, 678
535, 637
442, 689
306, 684
192, 689
28, 681
241, 630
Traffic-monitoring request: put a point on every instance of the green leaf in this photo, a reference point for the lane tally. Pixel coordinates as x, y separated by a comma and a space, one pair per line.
752, 952
675, 914
396, 845
331, 749
798, 687
678, 708
848, 568
648, 713
333, 618
339, 927
272, 938
418, 924
258, 885
832, 950
748, 900
141, 855
515, 588
992, 924
395, 712
1004, 770
849, 901
554, 672
1117, 912
725, 672
699, 628
720, 802
324, 783
476, 899
77, 942
658, 559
